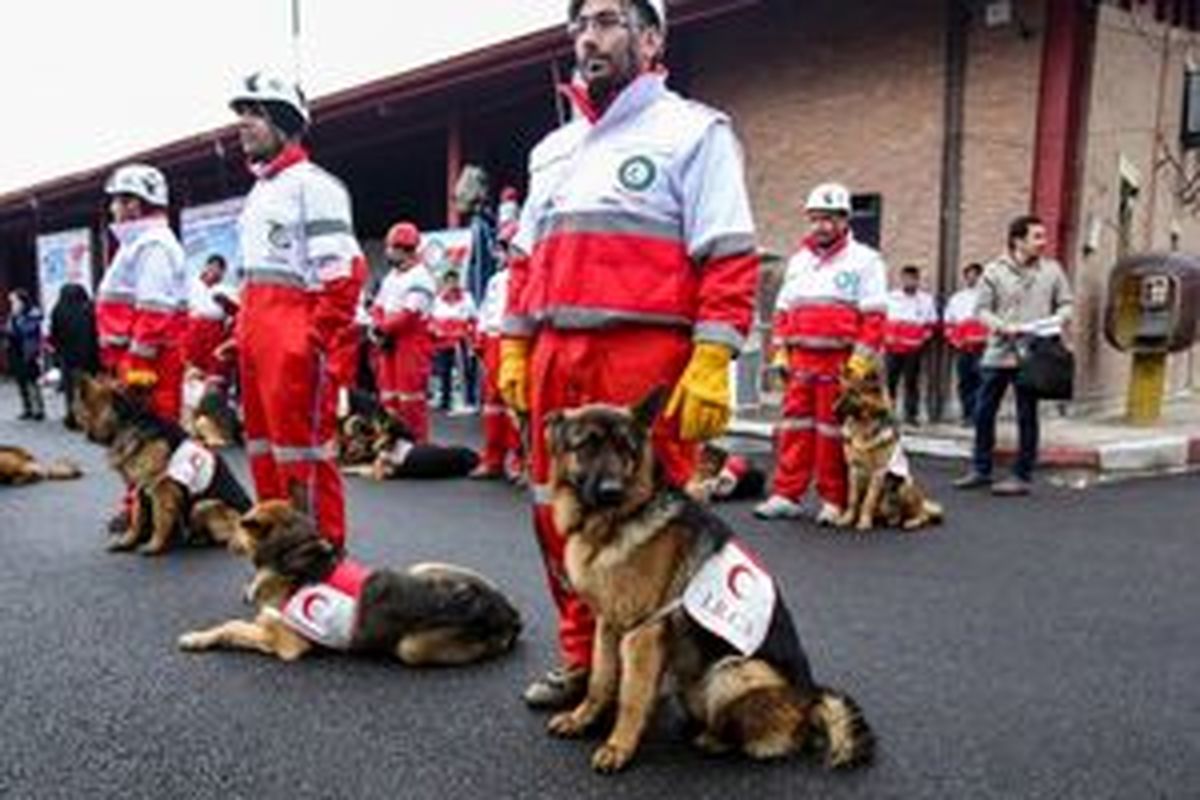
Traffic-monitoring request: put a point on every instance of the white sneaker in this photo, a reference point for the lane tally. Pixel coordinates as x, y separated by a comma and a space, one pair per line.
778, 507
828, 515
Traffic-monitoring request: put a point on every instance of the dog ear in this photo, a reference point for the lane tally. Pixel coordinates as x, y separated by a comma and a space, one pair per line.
649, 407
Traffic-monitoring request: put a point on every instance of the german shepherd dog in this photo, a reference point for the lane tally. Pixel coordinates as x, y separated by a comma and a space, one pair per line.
19, 467
377, 445
675, 595
724, 476
308, 594
184, 491
881, 485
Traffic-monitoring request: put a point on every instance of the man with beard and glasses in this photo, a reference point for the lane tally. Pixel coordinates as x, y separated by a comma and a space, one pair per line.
634, 267
302, 272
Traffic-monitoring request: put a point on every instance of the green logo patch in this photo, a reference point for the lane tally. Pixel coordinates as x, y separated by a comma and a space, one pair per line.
637, 173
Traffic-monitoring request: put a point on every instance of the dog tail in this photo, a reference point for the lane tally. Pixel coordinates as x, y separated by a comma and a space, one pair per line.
836, 718
62, 470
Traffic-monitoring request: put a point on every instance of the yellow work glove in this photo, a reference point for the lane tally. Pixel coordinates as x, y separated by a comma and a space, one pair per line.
140, 378
513, 379
701, 398
779, 361
860, 365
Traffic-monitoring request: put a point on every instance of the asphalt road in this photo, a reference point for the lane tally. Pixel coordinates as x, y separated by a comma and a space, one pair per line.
1027, 649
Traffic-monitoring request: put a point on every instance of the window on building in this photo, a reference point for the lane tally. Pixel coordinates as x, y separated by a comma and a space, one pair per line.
866, 218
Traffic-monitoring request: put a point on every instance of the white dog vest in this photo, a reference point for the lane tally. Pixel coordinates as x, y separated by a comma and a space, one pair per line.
327, 612
192, 465
732, 597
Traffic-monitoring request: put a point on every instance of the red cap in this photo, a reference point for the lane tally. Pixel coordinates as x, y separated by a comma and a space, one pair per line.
405, 235
509, 193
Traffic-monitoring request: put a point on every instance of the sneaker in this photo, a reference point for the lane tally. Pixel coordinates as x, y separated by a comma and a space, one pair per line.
829, 515
486, 473
1013, 487
778, 507
560, 688
972, 480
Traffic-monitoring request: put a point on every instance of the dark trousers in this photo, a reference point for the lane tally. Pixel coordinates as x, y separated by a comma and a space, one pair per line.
907, 365
443, 366
966, 365
994, 382
31, 396
71, 377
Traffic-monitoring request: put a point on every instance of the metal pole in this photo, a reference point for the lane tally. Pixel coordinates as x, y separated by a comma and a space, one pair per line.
297, 58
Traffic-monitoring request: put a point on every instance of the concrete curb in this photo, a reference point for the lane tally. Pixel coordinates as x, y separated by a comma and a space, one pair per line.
1152, 454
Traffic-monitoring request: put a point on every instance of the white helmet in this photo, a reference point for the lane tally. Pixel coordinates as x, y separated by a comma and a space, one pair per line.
263, 87
829, 197
139, 180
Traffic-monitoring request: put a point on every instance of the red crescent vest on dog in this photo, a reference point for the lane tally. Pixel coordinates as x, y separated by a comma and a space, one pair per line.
733, 597
327, 612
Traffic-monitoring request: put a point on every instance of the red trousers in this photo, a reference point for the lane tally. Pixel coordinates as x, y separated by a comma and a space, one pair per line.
573, 368
290, 400
500, 433
809, 437
403, 380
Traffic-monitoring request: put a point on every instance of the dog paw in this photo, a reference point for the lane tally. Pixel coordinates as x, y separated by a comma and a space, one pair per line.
149, 549
120, 544
710, 744
565, 725
193, 641
610, 758
845, 520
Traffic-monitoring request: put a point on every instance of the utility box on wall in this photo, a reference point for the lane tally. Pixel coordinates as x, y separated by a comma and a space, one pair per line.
1190, 132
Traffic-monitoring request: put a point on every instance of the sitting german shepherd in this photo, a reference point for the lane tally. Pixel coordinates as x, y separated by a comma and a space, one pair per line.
184, 490
308, 594
675, 594
881, 485
377, 445
18, 467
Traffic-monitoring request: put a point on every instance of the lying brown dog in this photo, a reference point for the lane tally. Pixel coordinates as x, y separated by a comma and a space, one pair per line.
676, 596
19, 467
307, 594
881, 485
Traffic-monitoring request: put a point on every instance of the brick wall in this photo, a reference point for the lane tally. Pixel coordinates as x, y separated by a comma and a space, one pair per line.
1134, 113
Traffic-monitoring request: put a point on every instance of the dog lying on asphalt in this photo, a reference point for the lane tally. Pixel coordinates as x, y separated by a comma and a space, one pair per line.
881, 486
184, 491
377, 445
308, 594
19, 467
676, 595
724, 476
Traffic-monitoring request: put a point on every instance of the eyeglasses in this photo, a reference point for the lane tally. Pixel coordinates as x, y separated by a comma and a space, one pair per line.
604, 22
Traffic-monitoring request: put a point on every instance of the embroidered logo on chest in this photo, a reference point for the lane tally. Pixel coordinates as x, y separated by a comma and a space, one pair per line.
637, 173
279, 235
846, 282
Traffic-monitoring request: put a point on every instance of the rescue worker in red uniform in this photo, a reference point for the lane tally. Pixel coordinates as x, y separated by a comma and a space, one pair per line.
830, 309
302, 271
501, 455
141, 302
141, 307
636, 269
400, 317
967, 336
207, 321
912, 322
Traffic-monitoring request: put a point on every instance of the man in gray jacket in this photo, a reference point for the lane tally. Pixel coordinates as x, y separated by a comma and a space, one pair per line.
1022, 295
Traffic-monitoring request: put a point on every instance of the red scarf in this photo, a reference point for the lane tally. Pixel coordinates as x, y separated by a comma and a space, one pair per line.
292, 153
826, 252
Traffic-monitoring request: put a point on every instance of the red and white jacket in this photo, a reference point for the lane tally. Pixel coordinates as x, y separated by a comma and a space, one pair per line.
206, 322
491, 310
404, 303
912, 321
834, 299
302, 264
142, 300
965, 331
452, 319
637, 215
